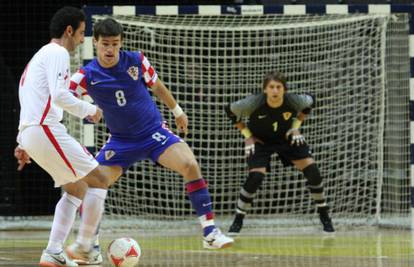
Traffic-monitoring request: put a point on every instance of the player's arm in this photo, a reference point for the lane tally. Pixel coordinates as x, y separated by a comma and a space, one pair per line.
244, 108
249, 139
158, 88
162, 93
303, 104
57, 71
78, 87
78, 84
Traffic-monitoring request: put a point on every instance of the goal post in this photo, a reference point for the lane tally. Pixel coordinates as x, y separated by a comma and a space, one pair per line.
353, 63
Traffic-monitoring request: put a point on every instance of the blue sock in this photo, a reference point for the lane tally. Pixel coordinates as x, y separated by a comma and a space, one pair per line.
207, 230
201, 201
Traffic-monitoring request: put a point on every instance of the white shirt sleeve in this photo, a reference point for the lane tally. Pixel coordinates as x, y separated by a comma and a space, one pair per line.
58, 81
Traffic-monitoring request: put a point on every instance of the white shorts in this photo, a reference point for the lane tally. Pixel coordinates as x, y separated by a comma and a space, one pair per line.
57, 152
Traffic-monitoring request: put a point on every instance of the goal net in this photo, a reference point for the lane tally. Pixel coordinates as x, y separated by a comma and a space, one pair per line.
357, 67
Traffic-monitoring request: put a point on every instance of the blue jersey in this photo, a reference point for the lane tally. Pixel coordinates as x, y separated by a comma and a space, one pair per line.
122, 93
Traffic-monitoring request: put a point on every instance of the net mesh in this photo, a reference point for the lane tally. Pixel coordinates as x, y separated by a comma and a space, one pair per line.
356, 66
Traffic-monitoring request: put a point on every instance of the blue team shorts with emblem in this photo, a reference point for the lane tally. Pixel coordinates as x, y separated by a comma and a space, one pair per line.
123, 152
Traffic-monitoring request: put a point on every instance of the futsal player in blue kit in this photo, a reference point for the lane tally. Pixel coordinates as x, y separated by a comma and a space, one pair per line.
118, 82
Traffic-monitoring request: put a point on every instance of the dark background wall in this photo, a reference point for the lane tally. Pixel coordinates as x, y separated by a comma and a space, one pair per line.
23, 30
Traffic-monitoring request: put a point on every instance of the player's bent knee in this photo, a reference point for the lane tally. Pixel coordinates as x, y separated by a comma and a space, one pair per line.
98, 178
77, 189
113, 172
253, 182
313, 175
190, 169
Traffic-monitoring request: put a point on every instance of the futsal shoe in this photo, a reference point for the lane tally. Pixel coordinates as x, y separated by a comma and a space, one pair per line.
216, 240
325, 220
56, 260
237, 225
82, 257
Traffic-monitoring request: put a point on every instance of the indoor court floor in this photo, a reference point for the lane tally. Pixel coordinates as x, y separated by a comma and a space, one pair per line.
352, 247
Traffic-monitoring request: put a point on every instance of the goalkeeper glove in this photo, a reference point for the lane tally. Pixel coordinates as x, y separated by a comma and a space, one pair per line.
295, 137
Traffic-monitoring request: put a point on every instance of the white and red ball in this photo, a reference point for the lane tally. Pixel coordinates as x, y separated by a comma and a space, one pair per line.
124, 252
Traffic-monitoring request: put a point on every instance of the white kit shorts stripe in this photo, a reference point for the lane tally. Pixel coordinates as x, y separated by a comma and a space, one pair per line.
58, 153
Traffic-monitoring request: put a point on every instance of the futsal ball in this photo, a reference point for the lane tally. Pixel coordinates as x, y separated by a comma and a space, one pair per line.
124, 252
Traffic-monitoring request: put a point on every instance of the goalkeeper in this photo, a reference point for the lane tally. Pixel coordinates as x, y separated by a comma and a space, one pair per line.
274, 119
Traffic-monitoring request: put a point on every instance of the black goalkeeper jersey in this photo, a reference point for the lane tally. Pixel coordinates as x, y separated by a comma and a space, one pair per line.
270, 124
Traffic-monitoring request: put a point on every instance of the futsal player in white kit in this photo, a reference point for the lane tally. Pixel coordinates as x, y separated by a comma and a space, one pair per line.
43, 95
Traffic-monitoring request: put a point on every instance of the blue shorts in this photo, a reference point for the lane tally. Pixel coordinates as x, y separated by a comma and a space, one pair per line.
122, 152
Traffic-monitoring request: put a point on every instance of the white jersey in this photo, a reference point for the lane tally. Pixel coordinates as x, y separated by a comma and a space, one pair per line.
44, 94
44, 89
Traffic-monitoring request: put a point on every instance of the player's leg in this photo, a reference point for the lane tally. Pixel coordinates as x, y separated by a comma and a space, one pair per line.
68, 161
65, 214
178, 157
258, 164
95, 243
56, 152
315, 185
112, 161
63, 219
83, 250
85, 166
93, 204
247, 194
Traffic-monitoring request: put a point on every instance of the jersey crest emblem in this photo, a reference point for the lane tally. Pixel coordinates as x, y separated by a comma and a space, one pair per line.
109, 154
63, 76
133, 72
287, 115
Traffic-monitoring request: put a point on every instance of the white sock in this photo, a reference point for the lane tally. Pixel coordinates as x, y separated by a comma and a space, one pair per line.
65, 214
93, 207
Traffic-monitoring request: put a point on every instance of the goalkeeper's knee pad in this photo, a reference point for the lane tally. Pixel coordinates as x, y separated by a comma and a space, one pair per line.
313, 175
253, 182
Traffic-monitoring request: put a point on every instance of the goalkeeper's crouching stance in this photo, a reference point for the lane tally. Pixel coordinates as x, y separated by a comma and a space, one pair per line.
274, 118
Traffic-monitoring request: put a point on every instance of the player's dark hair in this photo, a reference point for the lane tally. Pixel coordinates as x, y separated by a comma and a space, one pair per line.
64, 17
274, 76
106, 28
